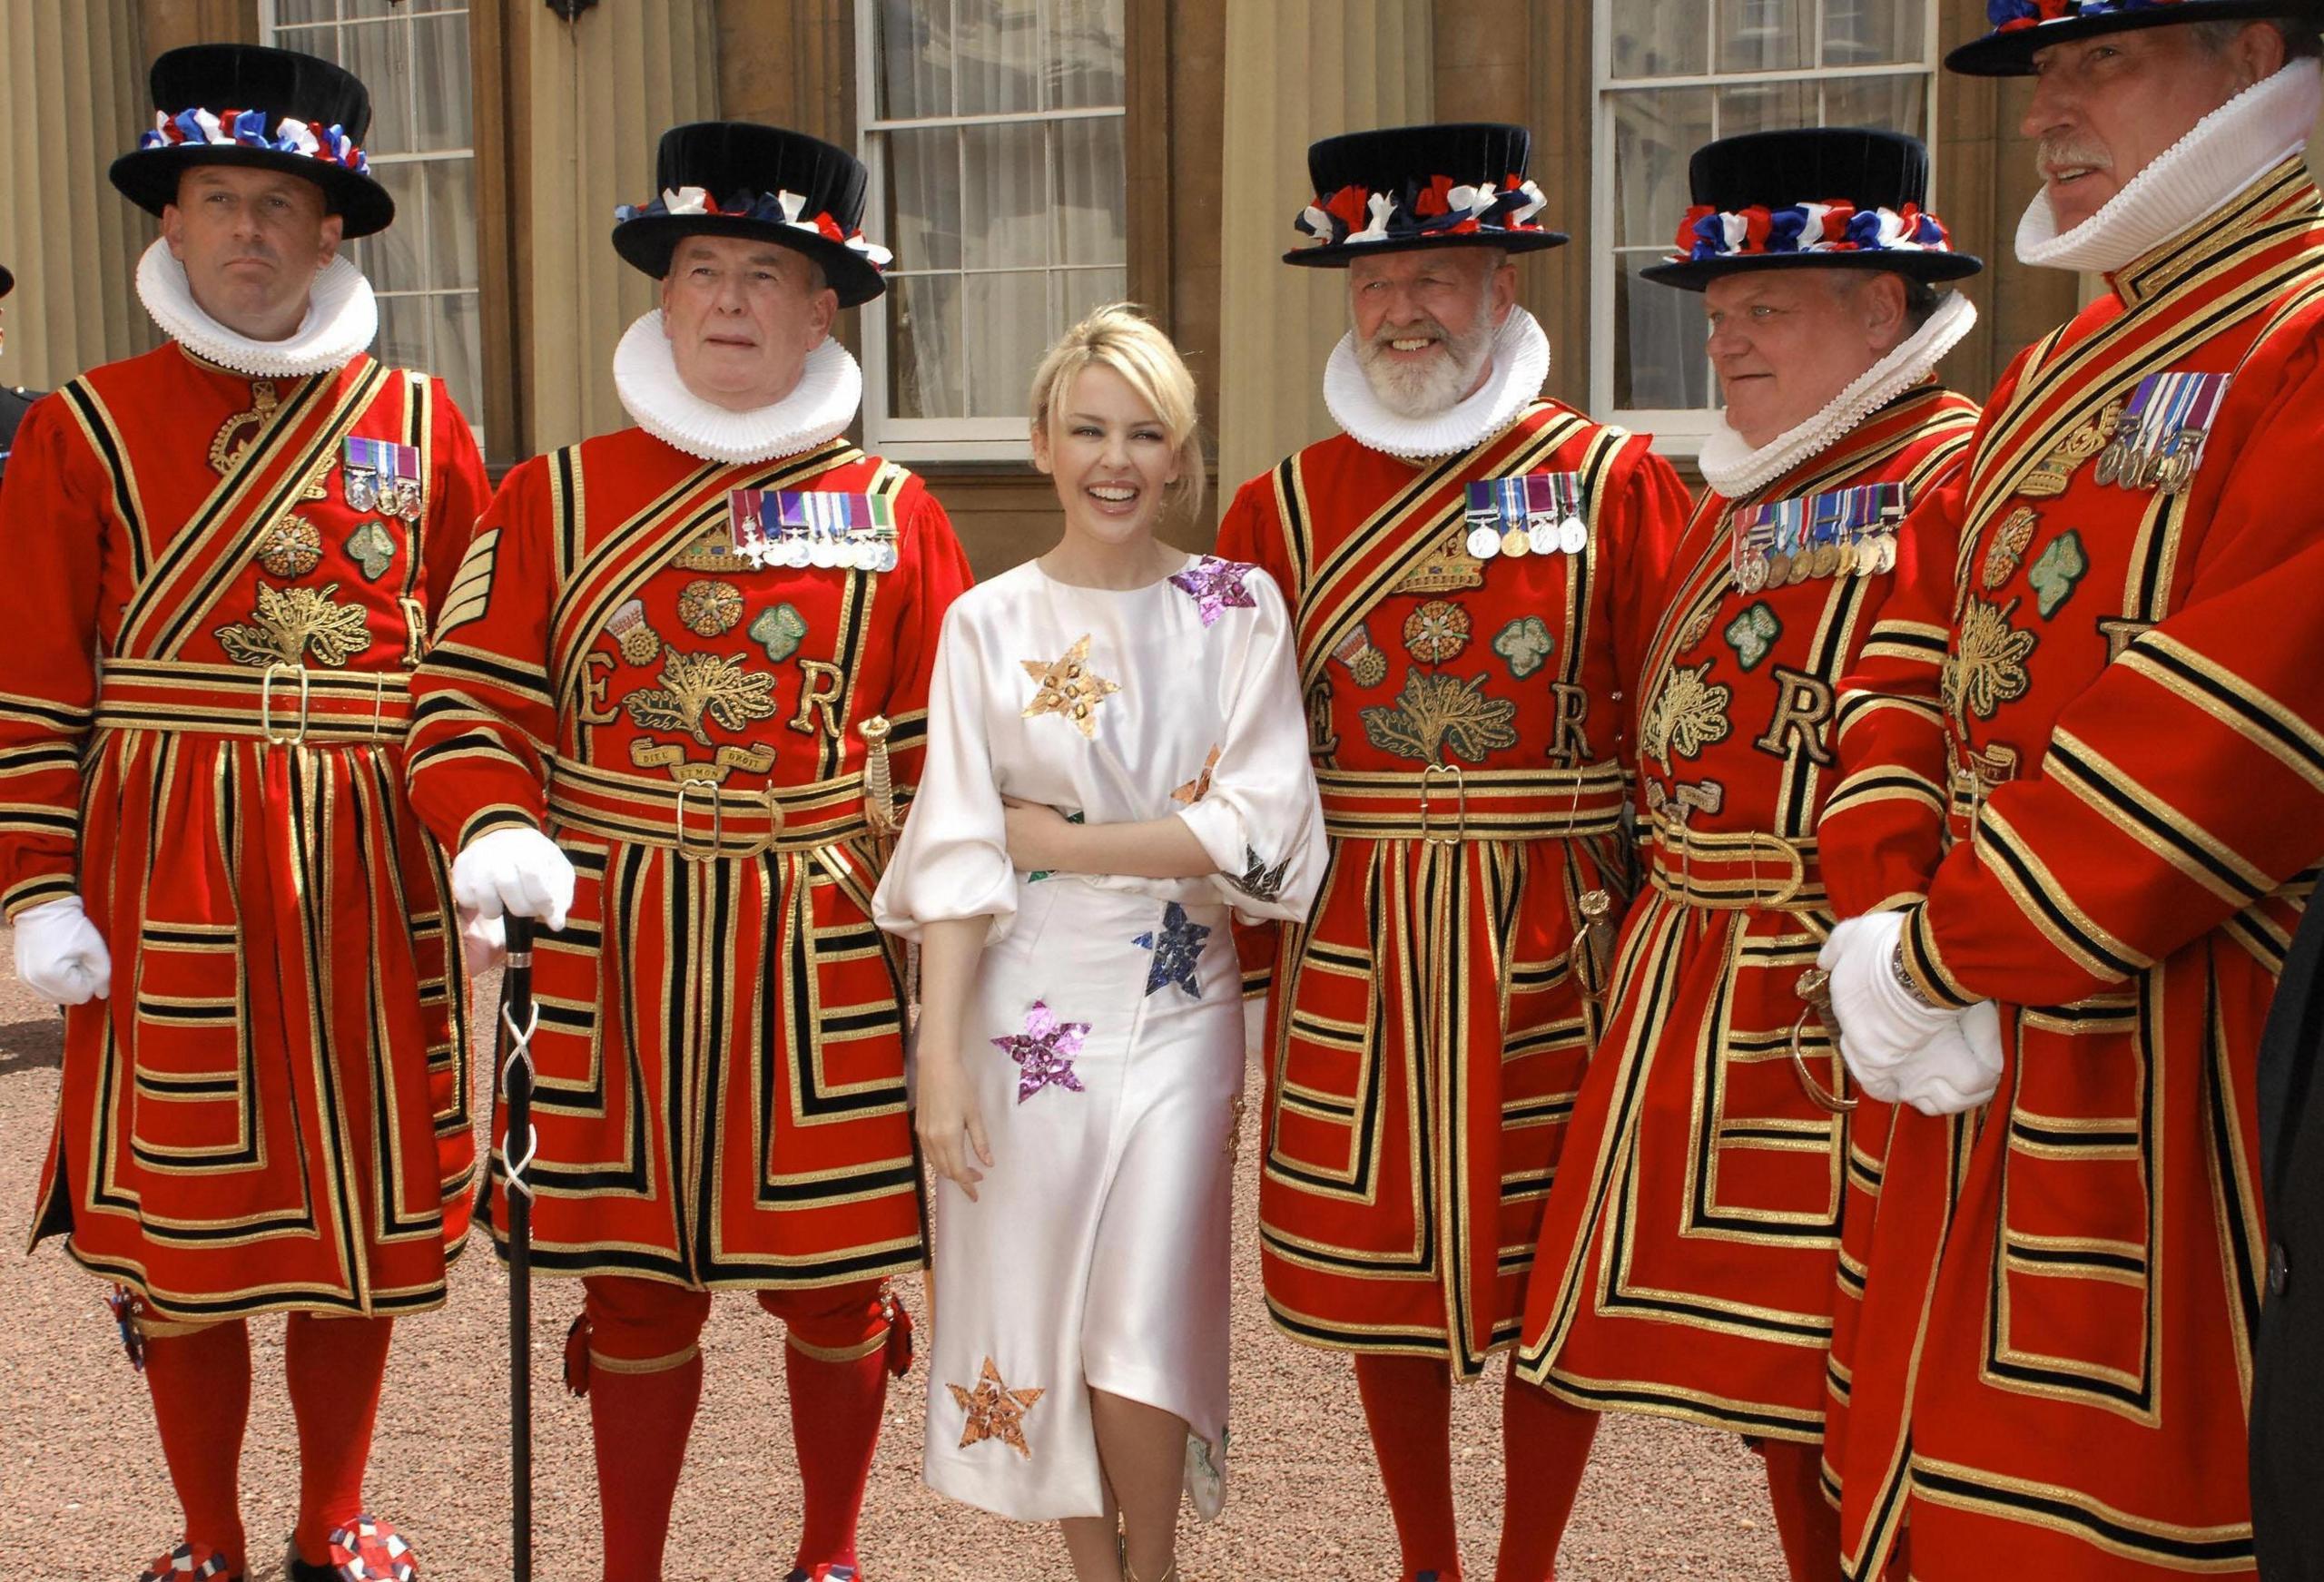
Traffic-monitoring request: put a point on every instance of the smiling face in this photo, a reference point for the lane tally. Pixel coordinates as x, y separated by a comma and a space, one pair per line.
2104, 108
253, 241
1786, 342
1111, 456
741, 314
1425, 320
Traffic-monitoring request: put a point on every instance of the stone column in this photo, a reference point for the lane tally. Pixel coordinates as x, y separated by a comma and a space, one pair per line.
1297, 70
72, 99
591, 99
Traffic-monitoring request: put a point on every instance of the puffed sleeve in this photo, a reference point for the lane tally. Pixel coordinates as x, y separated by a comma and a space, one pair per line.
951, 861
1260, 818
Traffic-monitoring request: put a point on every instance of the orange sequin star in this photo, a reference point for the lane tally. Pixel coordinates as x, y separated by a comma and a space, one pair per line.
995, 1411
1195, 789
1069, 687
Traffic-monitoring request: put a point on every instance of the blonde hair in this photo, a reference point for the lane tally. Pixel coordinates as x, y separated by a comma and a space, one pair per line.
1120, 337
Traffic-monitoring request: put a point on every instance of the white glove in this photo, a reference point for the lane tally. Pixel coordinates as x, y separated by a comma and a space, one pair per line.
484, 942
1939, 1060
514, 870
60, 955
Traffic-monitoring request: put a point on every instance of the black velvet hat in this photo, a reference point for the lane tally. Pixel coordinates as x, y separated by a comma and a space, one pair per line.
1817, 197
1459, 184
2021, 28
242, 105
733, 177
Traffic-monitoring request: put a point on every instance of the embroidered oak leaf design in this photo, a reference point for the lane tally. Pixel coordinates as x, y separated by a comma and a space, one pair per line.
1689, 714
1987, 666
1442, 711
695, 686
289, 624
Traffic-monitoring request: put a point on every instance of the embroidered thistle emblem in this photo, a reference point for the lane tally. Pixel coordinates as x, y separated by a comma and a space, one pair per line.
1689, 714
698, 686
1985, 666
1444, 714
995, 1411
289, 624
1069, 687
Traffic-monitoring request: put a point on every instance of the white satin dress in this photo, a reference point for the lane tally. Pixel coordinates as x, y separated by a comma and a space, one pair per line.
1105, 1033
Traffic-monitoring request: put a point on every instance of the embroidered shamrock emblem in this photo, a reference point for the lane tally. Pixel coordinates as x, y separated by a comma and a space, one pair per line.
1526, 643
1752, 634
780, 630
2053, 577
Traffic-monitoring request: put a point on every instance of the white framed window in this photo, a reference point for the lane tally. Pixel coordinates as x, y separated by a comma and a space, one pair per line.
994, 133
414, 58
1673, 75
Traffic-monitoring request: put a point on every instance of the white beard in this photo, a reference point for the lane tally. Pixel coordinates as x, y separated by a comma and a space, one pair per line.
1424, 390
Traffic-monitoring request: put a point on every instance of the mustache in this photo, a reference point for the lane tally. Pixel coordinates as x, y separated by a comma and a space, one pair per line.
1425, 327
2056, 153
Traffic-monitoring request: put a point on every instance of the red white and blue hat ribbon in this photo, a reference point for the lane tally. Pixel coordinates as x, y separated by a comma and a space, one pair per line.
779, 208
2012, 15
1707, 234
1358, 216
248, 129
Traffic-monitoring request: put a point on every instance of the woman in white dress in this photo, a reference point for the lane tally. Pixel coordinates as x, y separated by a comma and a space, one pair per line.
1117, 762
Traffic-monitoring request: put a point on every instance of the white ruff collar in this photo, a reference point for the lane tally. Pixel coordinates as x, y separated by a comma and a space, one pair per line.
1734, 469
820, 407
342, 318
2218, 159
1521, 361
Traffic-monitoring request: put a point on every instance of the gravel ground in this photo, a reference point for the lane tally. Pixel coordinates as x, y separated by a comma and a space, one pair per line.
83, 1493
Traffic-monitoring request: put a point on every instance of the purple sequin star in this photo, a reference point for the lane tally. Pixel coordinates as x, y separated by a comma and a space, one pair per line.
1216, 586
1045, 1049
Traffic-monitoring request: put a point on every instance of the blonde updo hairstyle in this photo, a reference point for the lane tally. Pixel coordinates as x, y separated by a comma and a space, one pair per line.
1120, 337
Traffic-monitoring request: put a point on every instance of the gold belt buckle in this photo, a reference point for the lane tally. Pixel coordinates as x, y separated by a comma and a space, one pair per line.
1789, 891
774, 818
266, 704
1461, 806
717, 823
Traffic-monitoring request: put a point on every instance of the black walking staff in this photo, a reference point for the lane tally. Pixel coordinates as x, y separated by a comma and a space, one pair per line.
518, 1017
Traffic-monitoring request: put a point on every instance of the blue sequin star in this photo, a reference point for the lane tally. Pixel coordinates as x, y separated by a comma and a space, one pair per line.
1177, 952
1045, 1049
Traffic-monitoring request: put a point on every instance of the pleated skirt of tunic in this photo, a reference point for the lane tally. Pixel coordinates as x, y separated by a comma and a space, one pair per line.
1096, 1256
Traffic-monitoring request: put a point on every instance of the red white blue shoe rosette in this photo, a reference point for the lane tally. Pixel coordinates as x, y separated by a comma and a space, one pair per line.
2023, 28
368, 1549
186, 1562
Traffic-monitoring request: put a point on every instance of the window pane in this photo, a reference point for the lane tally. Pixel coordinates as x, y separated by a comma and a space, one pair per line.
1091, 225
451, 222
393, 258
1763, 35
1008, 320
1896, 104
440, 47
924, 348
997, 46
915, 59
1661, 40
1659, 335
923, 195
1079, 292
1656, 132
1862, 32
1006, 202
381, 55
289, 13
460, 350
403, 332
1766, 107
1085, 52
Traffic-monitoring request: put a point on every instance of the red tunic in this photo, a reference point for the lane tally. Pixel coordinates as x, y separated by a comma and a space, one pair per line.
203, 652
720, 1098
1687, 1255
1468, 724
2124, 730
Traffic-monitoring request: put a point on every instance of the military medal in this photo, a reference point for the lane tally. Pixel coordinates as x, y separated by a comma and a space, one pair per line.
2159, 442
1533, 515
379, 475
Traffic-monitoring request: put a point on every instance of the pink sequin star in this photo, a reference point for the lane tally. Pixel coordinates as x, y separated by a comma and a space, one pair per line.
1216, 586
1045, 1049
